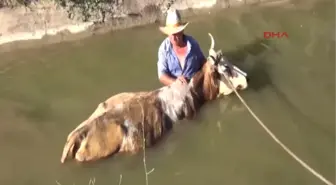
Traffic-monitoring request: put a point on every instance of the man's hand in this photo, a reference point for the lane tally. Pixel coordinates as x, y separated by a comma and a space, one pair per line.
181, 79
166, 79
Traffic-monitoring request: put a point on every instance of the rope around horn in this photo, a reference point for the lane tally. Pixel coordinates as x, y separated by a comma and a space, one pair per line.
306, 166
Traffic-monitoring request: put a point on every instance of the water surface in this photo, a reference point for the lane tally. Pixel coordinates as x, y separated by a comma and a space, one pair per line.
46, 92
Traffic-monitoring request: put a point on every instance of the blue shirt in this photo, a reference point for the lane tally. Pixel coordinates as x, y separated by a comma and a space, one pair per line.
168, 62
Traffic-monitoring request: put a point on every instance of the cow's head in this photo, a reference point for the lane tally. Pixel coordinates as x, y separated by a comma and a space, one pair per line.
228, 75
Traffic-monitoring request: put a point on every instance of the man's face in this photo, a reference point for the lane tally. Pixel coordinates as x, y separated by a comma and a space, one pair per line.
177, 38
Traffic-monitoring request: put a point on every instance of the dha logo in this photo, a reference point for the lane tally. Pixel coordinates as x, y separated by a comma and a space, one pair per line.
269, 34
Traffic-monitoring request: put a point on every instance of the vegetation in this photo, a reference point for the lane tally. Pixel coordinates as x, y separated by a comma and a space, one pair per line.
13, 3
98, 10
84, 8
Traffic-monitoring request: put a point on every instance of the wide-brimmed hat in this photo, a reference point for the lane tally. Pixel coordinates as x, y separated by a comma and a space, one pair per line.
174, 23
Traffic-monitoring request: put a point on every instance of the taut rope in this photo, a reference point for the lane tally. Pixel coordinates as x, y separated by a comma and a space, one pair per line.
306, 166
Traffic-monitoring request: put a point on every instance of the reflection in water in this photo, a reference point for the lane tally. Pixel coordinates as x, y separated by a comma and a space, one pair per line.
46, 92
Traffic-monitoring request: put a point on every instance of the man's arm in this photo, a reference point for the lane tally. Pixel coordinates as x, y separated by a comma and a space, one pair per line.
163, 71
166, 79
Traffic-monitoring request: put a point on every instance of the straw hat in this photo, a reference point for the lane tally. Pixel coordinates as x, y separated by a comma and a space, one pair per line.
174, 23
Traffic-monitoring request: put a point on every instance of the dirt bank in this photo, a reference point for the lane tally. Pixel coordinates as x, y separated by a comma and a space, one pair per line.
40, 19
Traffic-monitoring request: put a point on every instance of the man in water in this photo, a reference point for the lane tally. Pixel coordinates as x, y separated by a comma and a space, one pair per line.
180, 55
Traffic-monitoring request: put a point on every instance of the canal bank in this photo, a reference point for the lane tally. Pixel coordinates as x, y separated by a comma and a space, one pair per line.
53, 21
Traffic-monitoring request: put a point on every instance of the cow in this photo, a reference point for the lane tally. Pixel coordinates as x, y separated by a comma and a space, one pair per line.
130, 121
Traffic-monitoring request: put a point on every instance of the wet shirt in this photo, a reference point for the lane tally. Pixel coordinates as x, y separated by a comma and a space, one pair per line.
168, 62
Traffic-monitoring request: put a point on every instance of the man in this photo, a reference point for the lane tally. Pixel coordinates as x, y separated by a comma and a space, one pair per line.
180, 55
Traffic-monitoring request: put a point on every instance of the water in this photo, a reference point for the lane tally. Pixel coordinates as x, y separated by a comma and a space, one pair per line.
46, 92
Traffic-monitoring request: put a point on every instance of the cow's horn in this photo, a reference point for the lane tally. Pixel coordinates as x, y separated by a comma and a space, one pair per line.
212, 46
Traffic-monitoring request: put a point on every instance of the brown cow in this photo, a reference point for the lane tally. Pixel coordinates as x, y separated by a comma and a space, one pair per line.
125, 121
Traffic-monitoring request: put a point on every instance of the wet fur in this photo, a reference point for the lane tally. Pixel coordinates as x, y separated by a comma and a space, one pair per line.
117, 124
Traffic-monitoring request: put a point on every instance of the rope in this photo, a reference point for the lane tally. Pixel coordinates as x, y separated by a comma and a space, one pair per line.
144, 144
306, 166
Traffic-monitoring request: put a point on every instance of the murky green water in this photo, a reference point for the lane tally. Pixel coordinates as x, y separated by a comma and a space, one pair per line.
47, 92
